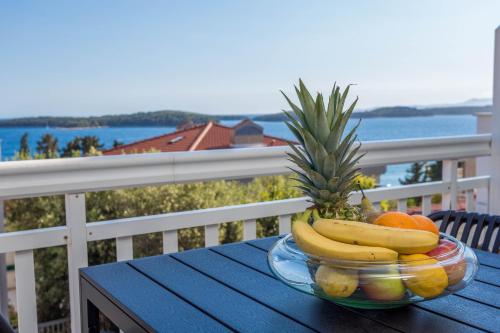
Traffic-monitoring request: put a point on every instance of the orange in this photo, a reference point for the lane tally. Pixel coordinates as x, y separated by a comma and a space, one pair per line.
396, 220
425, 223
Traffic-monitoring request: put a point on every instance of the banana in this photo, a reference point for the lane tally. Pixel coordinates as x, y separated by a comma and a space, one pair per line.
406, 241
313, 243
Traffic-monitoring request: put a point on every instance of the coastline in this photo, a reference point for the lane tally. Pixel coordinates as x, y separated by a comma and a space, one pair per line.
257, 119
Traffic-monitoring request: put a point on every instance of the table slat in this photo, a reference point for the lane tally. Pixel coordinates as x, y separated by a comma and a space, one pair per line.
147, 302
489, 275
226, 304
482, 292
264, 243
488, 258
467, 311
309, 310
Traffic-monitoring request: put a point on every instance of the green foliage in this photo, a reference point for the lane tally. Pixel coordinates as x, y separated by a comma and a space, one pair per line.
51, 263
117, 143
24, 148
420, 172
47, 146
89, 143
366, 182
435, 171
82, 146
73, 148
12, 315
415, 174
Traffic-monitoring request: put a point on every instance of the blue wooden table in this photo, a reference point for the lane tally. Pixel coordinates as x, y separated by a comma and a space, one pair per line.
230, 288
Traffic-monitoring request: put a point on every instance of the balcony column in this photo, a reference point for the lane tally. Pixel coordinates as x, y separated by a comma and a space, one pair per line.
4, 299
494, 199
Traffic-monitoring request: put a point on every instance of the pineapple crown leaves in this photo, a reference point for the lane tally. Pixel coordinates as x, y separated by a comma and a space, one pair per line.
326, 159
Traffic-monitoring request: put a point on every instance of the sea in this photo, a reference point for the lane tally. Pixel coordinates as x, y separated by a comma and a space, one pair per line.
370, 129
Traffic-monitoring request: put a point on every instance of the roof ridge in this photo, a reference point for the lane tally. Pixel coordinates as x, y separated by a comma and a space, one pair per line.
152, 138
278, 138
220, 125
200, 136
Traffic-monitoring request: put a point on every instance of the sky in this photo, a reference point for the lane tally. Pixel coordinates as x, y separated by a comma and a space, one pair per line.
68, 58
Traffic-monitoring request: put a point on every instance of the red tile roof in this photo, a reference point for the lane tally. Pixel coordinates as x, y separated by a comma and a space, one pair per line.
201, 137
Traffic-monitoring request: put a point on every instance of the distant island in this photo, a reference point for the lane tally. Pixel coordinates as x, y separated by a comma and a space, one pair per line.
398, 111
139, 119
175, 117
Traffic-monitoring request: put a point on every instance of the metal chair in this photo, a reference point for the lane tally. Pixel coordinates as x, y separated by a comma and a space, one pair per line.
4, 325
484, 227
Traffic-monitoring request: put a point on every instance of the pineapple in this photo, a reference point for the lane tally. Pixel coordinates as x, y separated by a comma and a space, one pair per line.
326, 159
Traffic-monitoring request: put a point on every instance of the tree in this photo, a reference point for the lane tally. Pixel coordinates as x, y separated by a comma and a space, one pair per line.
117, 143
73, 148
435, 171
82, 146
47, 146
24, 148
89, 142
421, 172
416, 174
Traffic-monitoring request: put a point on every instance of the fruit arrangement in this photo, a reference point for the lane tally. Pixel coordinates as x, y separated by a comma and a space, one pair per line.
355, 255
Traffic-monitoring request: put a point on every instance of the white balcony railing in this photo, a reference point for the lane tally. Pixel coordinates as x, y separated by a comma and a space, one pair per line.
74, 177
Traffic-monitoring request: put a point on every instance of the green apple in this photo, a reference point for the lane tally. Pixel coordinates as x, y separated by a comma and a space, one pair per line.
382, 285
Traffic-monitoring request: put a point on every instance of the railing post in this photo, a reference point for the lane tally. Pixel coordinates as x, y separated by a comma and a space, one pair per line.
26, 291
483, 163
4, 299
170, 241
402, 205
211, 235
249, 229
426, 205
494, 199
124, 248
77, 252
449, 200
284, 224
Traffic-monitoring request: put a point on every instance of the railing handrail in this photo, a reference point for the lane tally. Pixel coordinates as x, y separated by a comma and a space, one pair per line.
32, 178
56, 236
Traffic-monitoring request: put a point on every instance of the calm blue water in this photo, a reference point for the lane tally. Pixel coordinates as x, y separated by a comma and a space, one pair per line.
370, 129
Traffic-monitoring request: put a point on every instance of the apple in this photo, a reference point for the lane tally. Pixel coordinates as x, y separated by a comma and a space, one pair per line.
336, 282
455, 269
383, 285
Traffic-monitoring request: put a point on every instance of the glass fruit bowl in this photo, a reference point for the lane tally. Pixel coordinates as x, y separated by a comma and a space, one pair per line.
446, 269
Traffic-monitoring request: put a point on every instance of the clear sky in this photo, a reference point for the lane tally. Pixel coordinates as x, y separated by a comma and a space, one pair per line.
107, 57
